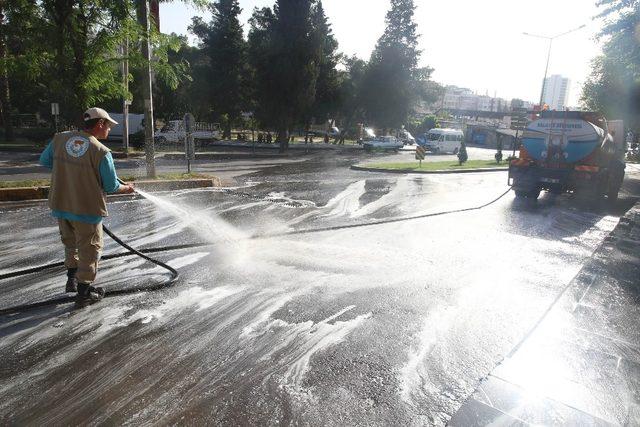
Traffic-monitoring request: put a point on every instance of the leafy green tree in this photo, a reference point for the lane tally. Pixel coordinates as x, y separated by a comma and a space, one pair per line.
419, 127
613, 87
189, 95
224, 46
352, 88
68, 52
5, 96
84, 37
393, 77
22, 51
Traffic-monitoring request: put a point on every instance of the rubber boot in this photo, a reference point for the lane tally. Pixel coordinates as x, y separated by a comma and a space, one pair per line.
72, 282
88, 294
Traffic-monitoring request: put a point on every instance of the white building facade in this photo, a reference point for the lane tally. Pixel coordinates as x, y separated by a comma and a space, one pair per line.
457, 98
556, 92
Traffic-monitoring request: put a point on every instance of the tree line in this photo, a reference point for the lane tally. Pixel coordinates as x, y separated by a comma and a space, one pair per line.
288, 71
613, 87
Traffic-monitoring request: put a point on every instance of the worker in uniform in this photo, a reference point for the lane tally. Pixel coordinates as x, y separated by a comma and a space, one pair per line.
82, 174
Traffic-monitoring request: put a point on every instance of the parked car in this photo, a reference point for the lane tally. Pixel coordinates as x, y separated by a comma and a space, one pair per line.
136, 125
382, 143
406, 137
174, 132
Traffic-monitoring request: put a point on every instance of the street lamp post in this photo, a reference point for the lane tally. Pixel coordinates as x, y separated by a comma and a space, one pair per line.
546, 68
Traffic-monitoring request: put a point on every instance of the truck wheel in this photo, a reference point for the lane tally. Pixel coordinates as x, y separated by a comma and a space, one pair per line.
616, 176
529, 194
535, 193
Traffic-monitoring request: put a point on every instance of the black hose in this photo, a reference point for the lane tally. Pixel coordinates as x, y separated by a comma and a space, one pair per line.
174, 273
67, 299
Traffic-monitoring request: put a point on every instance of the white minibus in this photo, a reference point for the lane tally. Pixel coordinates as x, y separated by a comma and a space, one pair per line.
444, 140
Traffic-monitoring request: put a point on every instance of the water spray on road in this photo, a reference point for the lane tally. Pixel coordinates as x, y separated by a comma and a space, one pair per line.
212, 229
209, 226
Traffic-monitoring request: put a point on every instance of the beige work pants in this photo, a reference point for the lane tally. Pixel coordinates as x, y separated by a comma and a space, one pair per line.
82, 247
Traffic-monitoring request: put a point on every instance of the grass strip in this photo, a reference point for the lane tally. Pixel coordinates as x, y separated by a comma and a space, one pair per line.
434, 166
28, 183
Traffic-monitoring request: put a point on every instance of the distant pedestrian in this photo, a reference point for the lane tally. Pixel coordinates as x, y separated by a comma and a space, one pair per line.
269, 138
82, 173
326, 137
260, 138
342, 136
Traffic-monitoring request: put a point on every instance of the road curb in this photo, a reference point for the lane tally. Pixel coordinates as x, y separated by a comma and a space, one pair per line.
298, 146
227, 156
620, 248
122, 155
8, 195
21, 149
367, 169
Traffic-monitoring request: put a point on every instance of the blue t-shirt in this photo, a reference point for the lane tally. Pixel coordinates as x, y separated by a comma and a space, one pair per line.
108, 175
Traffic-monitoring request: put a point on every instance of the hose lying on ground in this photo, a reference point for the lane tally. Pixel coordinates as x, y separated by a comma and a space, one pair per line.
174, 273
67, 299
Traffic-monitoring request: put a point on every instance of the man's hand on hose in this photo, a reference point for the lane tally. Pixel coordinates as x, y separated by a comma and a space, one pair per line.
126, 189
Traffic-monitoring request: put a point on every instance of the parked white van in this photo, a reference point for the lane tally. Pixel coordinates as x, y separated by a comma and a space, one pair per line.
443, 140
136, 124
173, 132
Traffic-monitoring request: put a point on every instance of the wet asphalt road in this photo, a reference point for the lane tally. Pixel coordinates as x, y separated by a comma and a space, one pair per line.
389, 324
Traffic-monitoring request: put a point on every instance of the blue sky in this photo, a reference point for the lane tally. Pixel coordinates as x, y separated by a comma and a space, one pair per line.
469, 43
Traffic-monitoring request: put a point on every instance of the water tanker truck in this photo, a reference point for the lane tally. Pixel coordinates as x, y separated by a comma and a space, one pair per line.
570, 151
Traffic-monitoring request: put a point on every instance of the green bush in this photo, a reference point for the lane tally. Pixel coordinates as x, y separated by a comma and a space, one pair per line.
137, 139
462, 154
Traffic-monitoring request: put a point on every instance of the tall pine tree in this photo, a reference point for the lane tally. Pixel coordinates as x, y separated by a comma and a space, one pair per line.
327, 86
223, 43
288, 68
262, 23
393, 77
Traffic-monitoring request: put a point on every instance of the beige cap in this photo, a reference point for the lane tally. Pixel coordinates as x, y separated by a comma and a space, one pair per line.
98, 113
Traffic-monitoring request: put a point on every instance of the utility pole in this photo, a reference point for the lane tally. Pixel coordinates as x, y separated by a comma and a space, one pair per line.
546, 68
143, 19
125, 101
